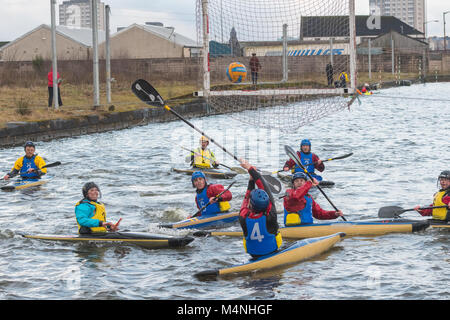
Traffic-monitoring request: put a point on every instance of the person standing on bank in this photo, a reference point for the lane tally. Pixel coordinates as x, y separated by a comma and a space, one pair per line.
255, 66
50, 88
329, 72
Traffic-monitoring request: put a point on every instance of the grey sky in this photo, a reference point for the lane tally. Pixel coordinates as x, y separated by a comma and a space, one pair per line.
20, 16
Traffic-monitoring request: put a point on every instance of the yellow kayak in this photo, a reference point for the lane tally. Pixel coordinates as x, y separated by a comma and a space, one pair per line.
294, 253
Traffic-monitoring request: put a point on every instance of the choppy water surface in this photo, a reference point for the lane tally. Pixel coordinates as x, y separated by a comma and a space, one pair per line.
400, 146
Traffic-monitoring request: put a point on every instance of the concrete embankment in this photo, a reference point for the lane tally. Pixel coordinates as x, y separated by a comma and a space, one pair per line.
17, 133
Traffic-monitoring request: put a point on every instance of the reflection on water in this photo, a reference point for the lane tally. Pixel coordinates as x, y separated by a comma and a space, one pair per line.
400, 146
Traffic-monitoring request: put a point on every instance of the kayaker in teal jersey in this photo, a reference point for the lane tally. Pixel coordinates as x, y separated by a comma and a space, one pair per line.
91, 214
206, 193
300, 207
308, 159
30, 166
258, 216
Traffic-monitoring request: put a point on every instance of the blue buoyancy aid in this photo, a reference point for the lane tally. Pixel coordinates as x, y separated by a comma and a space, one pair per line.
27, 164
258, 240
306, 161
202, 200
303, 216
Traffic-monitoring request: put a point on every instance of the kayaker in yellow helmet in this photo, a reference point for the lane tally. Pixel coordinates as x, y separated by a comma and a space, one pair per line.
441, 198
91, 214
30, 166
202, 157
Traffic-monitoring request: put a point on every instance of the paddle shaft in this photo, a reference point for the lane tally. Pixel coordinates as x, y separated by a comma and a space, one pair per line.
422, 208
330, 159
218, 196
297, 161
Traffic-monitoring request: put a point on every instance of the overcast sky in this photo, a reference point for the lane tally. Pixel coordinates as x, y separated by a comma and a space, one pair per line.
20, 16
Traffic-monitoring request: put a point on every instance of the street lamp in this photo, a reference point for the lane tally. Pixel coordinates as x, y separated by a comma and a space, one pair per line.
445, 43
424, 27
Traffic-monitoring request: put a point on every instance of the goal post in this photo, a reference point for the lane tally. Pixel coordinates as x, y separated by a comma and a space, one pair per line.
305, 51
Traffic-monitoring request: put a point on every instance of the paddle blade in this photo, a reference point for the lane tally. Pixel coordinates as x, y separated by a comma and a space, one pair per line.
146, 93
273, 183
390, 212
340, 157
50, 165
293, 155
8, 188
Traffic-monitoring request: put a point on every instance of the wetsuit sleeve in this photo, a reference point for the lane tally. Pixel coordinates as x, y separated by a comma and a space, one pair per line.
290, 163
215, 189
319, 167
321, 214
18, 164
426, 212
40, 163
83, 213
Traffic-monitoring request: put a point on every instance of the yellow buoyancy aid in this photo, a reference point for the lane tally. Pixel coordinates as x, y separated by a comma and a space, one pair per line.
440, 213
99, 213
202, 158
343, 75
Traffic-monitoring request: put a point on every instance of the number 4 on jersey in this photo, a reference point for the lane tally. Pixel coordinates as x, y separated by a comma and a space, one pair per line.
256, 233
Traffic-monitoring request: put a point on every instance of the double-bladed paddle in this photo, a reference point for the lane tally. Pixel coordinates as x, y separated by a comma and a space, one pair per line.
148, 94
209, 202
325, 160
395, 211
293, 155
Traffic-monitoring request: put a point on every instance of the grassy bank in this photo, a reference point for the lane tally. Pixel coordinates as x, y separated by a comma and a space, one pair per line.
31, 104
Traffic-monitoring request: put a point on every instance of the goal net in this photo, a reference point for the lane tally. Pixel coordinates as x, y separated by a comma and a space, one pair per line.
299, 59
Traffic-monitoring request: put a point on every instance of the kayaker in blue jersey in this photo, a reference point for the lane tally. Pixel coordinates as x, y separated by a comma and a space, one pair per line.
308, 159
300, 207
29, 166
91, 214
207, 193
258, 216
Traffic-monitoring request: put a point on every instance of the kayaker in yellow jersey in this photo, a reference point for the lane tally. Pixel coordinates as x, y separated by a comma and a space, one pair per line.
91, 214
30, 166
202, 157
441, 198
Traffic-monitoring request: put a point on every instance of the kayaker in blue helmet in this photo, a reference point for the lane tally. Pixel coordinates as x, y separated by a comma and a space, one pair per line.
91, 214
29, 166
206, 193
308, 159
441, 198
300, 207
258, 216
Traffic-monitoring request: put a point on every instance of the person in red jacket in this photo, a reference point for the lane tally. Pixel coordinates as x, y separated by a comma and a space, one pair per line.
308, 159
50, 88
300, 207
207, 193
441, 198
258, 216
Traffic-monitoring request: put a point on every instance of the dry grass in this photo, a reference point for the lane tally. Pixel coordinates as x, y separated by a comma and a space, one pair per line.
30, 104
77, 101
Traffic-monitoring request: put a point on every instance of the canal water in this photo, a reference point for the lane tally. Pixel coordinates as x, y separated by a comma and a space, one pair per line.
399, 140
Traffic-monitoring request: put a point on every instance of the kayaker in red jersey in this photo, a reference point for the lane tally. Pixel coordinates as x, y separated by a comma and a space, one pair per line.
206, 193
308, 159
441, 198
300, 207
258, 216
50, 88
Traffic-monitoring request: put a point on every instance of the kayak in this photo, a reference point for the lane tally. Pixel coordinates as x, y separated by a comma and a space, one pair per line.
20, 184
351, 228
286, 177
218, 220
146, 240
439, 223
208, 172
298, 251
